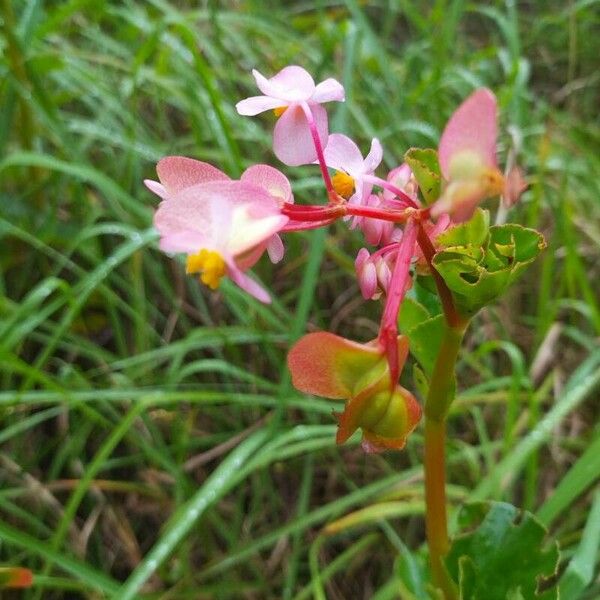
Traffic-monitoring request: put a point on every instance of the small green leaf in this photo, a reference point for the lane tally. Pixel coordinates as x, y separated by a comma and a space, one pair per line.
426, 168
412, 313
420, 380
423, 331
505, 555
472, 232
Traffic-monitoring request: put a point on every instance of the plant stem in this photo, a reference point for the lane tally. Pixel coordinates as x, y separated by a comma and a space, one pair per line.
441, 394
331, 194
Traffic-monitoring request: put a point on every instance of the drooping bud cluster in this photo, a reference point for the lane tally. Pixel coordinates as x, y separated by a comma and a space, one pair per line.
224, 226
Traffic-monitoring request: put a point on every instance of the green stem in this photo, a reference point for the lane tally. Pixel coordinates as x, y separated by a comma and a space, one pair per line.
439, 398
17, 66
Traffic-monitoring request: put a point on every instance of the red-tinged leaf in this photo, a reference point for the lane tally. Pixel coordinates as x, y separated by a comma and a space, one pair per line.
331, 366
15, 577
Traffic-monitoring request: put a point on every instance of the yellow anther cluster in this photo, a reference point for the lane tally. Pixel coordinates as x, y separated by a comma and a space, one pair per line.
343, 184
279, 110
493, 181
209, 264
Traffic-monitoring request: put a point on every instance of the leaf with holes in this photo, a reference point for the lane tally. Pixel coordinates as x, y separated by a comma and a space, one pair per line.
478, 273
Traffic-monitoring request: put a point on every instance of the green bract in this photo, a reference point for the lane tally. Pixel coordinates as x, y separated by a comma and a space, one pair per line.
426, 169
478, 262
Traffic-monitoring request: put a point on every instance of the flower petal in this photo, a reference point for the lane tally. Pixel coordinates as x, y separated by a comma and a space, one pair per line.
342, 154
329, 90
270, 179
472, 128
367, 277
374, 157
229, 216
247, 284
177, 173
258, 104
275, 248
156, 188
292, 140
293, 84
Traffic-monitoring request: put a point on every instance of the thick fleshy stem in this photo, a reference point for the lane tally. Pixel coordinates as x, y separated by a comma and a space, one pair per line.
440, 395
386, 185
388, 332
331, 193
439, 398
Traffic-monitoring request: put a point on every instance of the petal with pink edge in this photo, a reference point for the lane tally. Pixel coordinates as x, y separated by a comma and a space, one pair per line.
329, 90
342, 154
293, 84
229, 216
177, 173
247, 284
367, 280
292, 140
156, 188
275, 249
472, 128
258, 104
328, 365
270, 179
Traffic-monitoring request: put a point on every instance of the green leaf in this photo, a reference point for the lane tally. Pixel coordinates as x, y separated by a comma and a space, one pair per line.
426, 168
472, 232
423, 331
479, 271
420, 381
504, 555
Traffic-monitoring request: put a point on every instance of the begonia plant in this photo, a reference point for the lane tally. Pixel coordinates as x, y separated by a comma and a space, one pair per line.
425, 231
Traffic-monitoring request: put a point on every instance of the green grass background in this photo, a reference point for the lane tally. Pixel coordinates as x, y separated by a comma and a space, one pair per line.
151, 445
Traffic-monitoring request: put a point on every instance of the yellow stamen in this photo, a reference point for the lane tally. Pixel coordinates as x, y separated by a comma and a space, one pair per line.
209, 264
493, 181
343, 184
279, 110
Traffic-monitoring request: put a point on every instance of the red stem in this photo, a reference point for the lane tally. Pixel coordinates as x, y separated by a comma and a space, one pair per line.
315, 212
386, 185
331, 193
388, 331
452, 317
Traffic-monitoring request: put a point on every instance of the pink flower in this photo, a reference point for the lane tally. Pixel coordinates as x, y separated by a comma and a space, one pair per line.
402, 178
223, 226
355, 175
374, 271
296, 100
467, 155
377, 231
